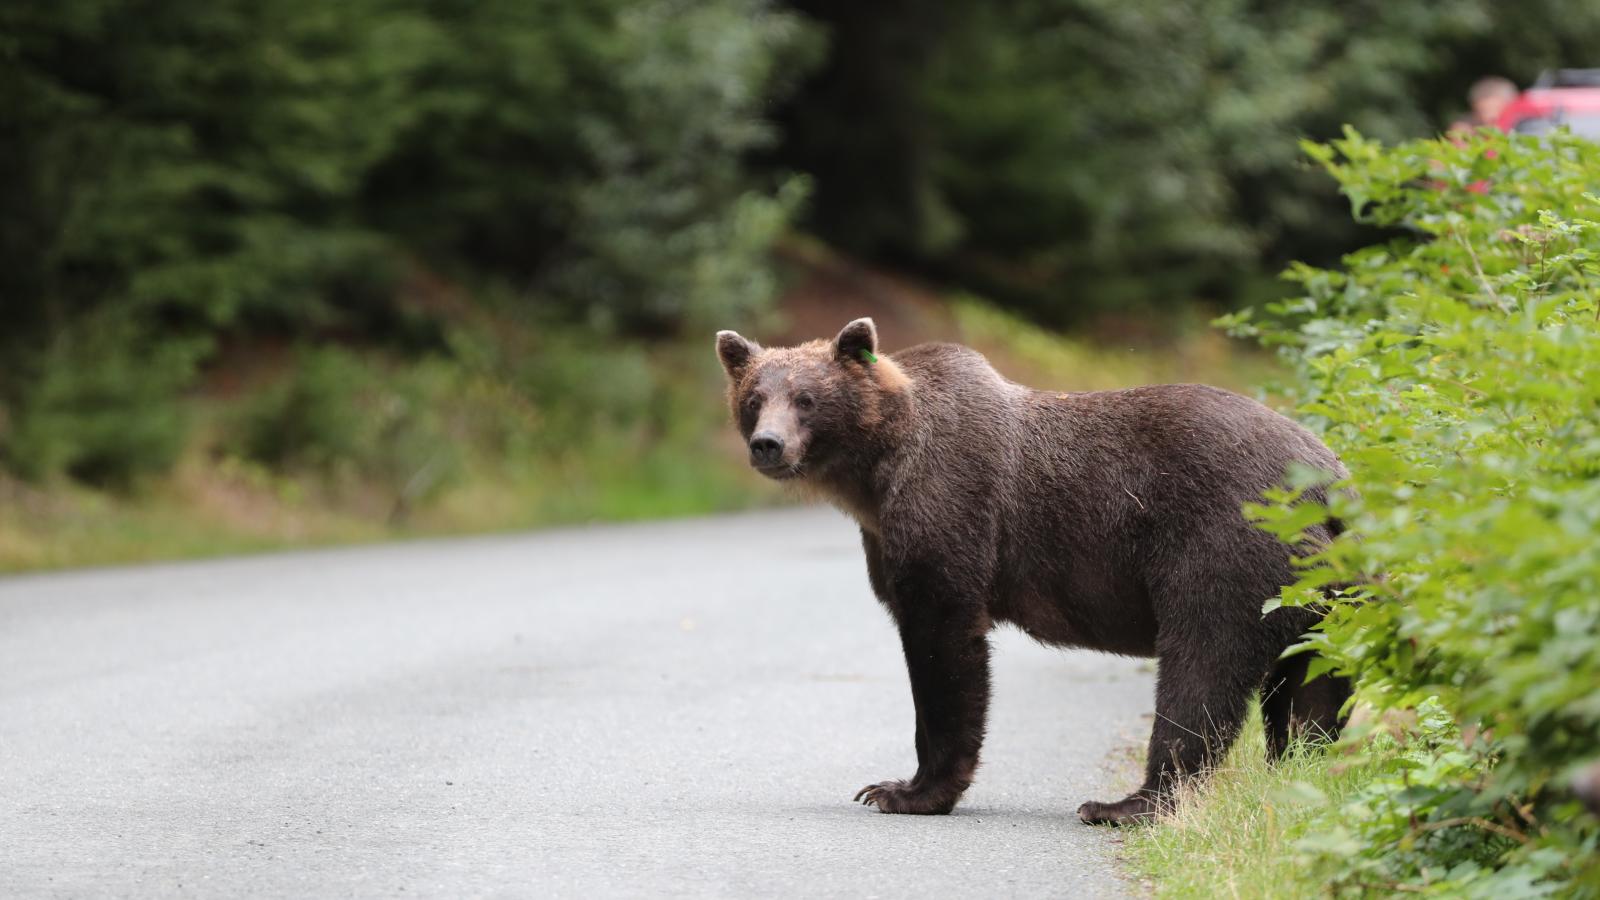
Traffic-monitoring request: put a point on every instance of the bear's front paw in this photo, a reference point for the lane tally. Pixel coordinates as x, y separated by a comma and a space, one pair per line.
901, 797
1135, 810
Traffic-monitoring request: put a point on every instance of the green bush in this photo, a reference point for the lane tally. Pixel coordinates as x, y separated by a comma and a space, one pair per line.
341, 416
100, 403
561, 388
1457, 370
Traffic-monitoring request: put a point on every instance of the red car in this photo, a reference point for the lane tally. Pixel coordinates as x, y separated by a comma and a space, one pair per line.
1569, 97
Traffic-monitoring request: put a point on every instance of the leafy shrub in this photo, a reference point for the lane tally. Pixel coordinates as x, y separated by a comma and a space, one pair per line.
580, 385
1457, 370
563, 389
100, 404
613, 428
343, 417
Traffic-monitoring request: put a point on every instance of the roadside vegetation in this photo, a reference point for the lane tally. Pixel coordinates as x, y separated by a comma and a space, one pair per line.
334, 445
338, 273
1237, 835
312, 445
1456, 367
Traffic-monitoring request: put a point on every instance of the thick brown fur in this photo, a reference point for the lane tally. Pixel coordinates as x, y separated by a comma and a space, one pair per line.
1108, 520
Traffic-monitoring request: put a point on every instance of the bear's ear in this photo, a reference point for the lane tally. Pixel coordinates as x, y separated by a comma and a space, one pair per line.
858, 342
735, 352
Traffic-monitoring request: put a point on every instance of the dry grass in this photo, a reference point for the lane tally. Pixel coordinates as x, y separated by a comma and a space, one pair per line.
215, 508
202, 510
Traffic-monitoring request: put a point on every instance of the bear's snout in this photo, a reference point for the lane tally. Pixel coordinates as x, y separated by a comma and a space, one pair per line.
766, 450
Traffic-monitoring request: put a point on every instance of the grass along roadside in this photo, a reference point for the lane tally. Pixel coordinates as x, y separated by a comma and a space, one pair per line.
1236, 834
222, 507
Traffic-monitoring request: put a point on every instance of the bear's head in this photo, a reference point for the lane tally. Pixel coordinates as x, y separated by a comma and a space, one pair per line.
810, 412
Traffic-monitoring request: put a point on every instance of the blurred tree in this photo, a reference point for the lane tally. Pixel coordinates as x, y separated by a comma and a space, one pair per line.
1073, 156
595, 151
862, 125
188, 159
668, 231
185, 169
171, 169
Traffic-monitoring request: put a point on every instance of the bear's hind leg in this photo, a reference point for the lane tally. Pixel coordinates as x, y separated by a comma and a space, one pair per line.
1202, 696
1295, 709
1319, 708
1277, 703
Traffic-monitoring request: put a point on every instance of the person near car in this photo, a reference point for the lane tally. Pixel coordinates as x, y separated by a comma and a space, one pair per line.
1489, 98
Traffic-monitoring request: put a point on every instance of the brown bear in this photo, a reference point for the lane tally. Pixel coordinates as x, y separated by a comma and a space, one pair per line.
1108, 520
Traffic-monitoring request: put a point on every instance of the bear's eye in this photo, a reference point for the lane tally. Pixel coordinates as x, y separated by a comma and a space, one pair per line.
805, 402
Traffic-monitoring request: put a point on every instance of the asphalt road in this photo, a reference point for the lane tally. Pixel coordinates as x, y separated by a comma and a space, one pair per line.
677, 709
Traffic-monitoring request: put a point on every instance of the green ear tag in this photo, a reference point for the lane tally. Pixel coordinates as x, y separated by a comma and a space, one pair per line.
868, 356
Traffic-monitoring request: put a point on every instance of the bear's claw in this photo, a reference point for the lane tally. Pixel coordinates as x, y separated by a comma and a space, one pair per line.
872, 794
903, 797
1135, 810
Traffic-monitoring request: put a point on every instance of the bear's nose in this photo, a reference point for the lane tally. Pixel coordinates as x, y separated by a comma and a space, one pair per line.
766, 449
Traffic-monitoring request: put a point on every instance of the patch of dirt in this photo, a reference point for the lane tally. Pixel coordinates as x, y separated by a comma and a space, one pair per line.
827, 290
242, 365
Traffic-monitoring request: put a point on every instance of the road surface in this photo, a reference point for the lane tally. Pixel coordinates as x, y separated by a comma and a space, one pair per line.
676, 709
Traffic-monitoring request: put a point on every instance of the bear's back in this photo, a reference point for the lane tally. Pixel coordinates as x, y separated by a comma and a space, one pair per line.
1207, 427
955, 383
1214, 435
942, 367
1098, 449
964, 409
